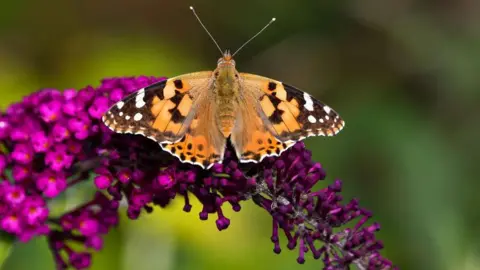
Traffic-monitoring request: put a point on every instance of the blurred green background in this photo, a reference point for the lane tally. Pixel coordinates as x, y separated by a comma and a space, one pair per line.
402, 73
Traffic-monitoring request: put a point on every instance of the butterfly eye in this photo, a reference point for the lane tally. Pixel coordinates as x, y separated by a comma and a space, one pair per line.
216, 74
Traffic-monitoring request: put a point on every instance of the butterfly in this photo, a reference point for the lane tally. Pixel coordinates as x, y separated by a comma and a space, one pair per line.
193, 115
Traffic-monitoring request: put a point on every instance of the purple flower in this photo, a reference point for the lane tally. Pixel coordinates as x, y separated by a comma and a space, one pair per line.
51, 111
60, 132
14, 195
51, 183
22, 215
40, 142
80, 127
22, 154
99, 107
35, 211
103, 181
10, 223
54, 140
88, 226
20, 173
58, 159
165, 181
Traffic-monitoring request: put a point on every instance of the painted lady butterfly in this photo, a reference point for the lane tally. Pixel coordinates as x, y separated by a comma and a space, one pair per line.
191, 116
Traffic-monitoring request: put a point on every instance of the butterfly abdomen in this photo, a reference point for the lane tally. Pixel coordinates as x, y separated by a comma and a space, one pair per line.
226, 116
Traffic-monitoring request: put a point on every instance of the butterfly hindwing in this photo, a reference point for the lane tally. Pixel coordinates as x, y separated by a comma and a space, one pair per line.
203, 143
252, 140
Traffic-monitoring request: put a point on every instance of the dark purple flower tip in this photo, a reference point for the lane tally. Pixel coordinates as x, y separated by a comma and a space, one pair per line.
301, 258
236, 207
203, 215
124, 175
80, 260
222, 223
94, 242
187, 208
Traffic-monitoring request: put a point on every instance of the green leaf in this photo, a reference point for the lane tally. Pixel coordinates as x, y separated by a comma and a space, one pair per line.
6, 242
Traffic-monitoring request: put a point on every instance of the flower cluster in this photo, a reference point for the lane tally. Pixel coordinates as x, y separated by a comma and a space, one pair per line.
54, 140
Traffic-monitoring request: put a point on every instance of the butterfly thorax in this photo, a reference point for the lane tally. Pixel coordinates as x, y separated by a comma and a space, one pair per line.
226, 91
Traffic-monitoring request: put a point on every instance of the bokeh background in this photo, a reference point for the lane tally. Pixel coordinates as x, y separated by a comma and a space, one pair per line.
404, 74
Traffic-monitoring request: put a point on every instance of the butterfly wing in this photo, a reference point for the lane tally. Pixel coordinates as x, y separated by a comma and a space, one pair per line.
252, 138
203, 143
283, 115
167, 112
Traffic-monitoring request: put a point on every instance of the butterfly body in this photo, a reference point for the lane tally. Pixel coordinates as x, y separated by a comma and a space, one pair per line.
226, 92
193, 115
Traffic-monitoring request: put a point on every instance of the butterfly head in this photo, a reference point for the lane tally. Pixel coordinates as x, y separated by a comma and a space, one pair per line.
226, 72
226, 60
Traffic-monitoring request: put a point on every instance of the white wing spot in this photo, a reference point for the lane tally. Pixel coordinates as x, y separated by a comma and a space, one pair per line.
120, 104
327, 109
127, 117
139, 103
321, 120
308, 102
312, 119
327, 118
137, 117
120, 113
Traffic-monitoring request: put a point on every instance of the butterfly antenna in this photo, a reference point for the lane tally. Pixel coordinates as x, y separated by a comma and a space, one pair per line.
248, 41
200, 21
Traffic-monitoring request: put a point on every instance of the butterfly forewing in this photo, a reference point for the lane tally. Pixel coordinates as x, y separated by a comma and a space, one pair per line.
291, 113
141, 113
177, 114
282, 115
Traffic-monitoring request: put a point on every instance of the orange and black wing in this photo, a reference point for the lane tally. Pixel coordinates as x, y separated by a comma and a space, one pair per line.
282, 115
168, 113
